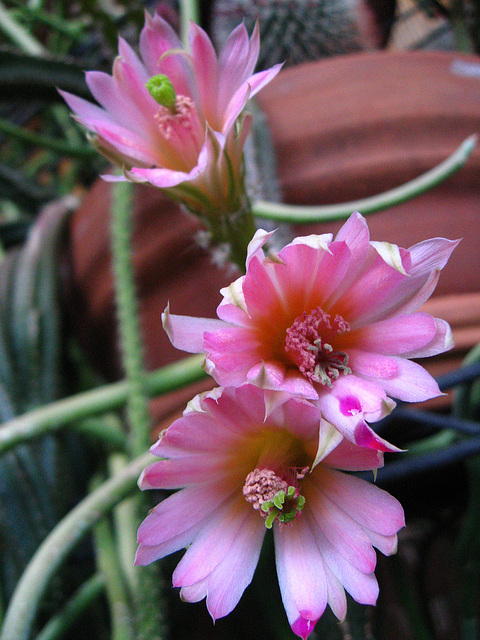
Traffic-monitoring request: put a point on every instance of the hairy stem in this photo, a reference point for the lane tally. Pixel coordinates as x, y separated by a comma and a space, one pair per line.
56, 415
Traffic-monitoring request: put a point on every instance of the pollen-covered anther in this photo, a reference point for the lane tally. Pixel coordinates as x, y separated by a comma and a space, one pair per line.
273, 497
308, 345
182, 115
261, 485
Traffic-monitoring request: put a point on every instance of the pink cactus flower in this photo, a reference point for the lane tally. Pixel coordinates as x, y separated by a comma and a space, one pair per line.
173, 118
335, 321
246, 463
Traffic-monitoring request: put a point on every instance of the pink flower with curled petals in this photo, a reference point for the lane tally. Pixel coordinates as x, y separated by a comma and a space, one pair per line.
184, 133
245, 462
335, 321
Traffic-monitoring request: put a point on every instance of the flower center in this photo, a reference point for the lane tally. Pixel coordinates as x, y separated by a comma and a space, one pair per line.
182, 130
274, 497
309, 346
178, 123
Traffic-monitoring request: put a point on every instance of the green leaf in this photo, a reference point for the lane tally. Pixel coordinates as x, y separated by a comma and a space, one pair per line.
28, 77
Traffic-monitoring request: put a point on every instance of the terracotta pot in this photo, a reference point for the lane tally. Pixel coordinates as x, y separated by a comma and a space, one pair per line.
342, 128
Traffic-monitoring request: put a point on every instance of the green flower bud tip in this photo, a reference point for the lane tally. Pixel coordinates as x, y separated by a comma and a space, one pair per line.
279, 499
270, 519
275, 508
161, 90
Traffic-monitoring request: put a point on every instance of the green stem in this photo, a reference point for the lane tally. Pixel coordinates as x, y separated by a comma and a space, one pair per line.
233, 230
18, 35
116, 587
188, 13
74, 609
128, 317
106, 428
409, 190
147, 595
57, 414
125, 517
39, 140
25, 601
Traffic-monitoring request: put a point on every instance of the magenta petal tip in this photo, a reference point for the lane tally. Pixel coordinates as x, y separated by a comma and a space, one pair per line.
303, 627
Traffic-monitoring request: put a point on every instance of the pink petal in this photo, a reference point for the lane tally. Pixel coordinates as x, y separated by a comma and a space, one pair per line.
235, 107
213, 543
205, 65
253, 50
370, 395
350, 457
398, 335
195, 592
263, 299
412, 383
367, 504
150, 553
132, 91
431, 255
233, 314
275, 377
127, 54
351, 402
363, 587
336, 594
238, 412
301, 575
157, 38
372, 365
342, 531
194, 433
234, 65
107, 126
386, 544
428, 258
103, 88
166, 178
374, 292
365, 436
383, 291
308, 289
302, 419
223, 341
187, 333
180, 472
179, 512
262, 78
231, 577
442, 341
271, 375
356, 235
255, 245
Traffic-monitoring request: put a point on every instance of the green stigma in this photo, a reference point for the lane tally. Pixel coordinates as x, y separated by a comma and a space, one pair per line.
276, 509
162, 91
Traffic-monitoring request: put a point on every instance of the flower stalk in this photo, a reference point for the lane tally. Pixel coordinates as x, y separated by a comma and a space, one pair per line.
407, 191
116, 586
128, 322
146, 596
